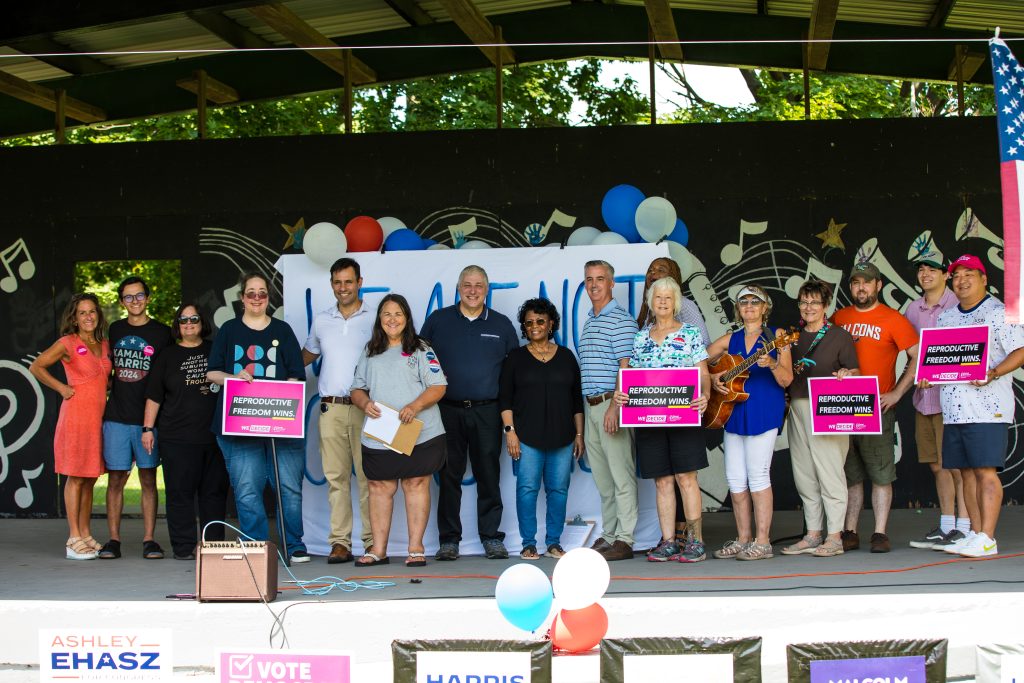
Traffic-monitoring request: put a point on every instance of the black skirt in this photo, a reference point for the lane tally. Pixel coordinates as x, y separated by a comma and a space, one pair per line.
384, 464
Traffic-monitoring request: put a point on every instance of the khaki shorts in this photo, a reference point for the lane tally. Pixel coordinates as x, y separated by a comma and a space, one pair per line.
928, 434
874, 455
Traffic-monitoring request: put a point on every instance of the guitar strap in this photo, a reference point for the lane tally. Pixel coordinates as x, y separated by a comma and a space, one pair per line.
807, 361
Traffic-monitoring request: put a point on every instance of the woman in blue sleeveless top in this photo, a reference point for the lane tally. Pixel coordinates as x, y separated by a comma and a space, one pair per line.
752, 428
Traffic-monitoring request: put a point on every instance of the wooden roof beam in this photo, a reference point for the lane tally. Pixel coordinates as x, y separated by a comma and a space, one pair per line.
663, 26
289, 25
228, 30
73, 64
216, 91
972, 61
478, 28
44, 97
823, 24
942, 11
411, 12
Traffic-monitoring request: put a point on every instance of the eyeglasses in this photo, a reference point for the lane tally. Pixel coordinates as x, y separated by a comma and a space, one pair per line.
189, 320
134, 298
535, 323
749, 302
809, 304
256, 296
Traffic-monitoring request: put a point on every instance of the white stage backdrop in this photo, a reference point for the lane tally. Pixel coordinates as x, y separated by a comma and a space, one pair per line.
428, 280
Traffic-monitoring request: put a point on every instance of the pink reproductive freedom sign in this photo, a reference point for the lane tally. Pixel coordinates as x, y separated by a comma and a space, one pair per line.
264, 407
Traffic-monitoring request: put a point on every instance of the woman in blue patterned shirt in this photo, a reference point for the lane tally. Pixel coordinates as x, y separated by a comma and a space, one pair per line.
672, 455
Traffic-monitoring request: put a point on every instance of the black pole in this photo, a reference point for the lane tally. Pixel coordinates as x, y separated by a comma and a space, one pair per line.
280, 508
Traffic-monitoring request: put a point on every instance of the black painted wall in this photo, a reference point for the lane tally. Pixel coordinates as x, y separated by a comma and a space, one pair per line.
218, 206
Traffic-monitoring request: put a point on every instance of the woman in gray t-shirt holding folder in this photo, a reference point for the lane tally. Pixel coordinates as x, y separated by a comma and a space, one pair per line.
400, 370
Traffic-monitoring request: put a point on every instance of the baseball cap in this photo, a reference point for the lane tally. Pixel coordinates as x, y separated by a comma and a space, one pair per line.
931, 262
754, 293
967, 261
866, 270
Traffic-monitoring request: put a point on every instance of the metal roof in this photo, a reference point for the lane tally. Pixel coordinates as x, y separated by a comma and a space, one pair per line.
717, 32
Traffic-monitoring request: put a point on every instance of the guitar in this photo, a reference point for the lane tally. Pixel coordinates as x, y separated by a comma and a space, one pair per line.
720, 406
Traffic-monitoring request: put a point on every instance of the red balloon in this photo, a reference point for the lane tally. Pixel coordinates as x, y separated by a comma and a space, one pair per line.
578, 630
364, 234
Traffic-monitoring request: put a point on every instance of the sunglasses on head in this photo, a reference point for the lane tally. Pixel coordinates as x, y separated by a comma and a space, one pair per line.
189, 320
256, 296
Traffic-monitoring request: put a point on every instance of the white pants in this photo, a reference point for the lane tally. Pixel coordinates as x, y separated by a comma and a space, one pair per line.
748, 461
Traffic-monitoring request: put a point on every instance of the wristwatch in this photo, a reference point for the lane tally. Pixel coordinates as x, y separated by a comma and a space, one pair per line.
146, 429
509, 428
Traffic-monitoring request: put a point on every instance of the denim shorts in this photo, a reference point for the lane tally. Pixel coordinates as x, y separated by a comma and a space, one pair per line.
122, 444
980, 444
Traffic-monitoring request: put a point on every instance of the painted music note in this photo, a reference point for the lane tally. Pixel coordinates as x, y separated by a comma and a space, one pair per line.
896, 292
558, 218
817, 269
701, 290
26, 269
733, 253
24, 496
969, 225
459, 231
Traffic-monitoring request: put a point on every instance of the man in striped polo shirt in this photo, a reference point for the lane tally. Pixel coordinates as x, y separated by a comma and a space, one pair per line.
605, 346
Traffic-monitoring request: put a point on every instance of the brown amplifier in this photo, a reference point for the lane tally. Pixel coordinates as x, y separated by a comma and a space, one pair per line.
229, 571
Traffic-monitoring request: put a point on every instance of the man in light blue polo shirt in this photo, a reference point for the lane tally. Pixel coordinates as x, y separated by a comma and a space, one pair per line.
605, 346
338, 336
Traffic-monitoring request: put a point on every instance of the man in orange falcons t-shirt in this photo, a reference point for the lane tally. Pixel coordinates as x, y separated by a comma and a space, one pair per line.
879, 333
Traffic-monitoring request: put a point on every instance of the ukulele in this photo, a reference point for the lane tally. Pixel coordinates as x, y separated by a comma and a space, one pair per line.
720, 406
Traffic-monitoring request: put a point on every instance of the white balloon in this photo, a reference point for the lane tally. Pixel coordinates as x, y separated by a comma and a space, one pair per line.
655, 218
389, 224
682, 256
582, 236
475, 244
610, 238
324, 243
438, 246
580, 578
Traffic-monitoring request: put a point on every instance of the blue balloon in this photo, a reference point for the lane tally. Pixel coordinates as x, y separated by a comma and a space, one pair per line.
524, 596
618, 208
680, 233
403, 239
427, 243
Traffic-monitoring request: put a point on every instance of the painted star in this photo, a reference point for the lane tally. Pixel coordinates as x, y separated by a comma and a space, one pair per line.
830, 239
295, 233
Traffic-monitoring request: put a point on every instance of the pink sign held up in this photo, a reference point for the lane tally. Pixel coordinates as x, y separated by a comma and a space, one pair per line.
660, 397
283, 666
264, 407
845, 406
953, 354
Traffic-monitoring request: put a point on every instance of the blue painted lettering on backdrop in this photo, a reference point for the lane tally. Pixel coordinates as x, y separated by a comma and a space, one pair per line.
309, 325
314, 402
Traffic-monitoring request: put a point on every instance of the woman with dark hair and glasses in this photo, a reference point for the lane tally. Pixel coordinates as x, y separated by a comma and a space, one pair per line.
541, 403
77, 443
824, 350
180, 400
399, 369
259, 346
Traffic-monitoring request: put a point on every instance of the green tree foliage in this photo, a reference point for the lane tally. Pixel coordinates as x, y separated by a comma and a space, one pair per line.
102, 278
780, 97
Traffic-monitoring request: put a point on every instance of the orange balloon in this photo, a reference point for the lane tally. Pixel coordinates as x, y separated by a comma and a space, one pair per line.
578, 630
364, 234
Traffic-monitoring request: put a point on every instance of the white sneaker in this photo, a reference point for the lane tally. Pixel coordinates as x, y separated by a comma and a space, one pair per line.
955, 547
980, 546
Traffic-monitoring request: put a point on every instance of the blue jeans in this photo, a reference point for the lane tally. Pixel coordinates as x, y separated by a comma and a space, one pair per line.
554, 466
251, 467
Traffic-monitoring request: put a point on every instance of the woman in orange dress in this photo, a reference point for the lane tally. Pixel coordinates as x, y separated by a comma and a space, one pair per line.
77, 443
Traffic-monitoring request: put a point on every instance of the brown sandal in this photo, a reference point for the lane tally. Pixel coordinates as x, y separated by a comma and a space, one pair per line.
805, 546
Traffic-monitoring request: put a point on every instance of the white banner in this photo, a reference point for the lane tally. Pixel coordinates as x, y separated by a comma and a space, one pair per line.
428, 279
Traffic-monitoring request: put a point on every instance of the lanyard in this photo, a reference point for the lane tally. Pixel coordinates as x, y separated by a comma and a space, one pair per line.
806, 361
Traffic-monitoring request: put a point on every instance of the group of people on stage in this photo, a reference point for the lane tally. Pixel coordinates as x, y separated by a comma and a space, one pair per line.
467, 377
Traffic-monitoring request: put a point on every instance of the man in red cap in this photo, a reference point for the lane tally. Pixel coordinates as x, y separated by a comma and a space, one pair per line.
977, 415
880, 333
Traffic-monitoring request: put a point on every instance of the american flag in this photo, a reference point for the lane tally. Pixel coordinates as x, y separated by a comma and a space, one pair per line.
1008, 79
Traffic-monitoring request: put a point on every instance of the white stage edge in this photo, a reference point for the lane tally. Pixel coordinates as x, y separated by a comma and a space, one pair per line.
367, 628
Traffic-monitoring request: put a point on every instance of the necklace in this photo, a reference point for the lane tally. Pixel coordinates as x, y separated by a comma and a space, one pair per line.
542, 356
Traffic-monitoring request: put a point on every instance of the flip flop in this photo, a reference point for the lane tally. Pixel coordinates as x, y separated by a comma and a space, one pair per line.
374, 560
415, 560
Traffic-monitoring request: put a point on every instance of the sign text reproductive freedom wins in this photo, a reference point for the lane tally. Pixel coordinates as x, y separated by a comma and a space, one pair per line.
660, 397
953, 354
264, 408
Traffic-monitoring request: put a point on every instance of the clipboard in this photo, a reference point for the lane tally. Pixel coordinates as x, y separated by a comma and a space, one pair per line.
392, 432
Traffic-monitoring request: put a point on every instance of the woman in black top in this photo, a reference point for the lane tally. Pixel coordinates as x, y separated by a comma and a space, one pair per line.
541, 403
185, 400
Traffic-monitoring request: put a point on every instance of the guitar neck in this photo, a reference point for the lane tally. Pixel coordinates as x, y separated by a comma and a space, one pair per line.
754, 357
